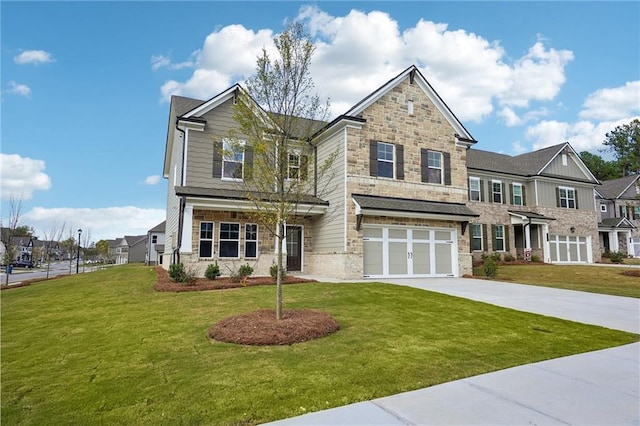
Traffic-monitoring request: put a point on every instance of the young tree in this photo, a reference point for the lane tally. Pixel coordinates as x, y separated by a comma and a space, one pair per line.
10, 230
70, 244
624, 141
86, 242
52, 237
276, 116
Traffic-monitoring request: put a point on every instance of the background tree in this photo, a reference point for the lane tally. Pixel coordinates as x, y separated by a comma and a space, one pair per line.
601, 169
8, 229
70, 244
24, 231
624, 142
277, 115
52, 237
103, 250
84, 245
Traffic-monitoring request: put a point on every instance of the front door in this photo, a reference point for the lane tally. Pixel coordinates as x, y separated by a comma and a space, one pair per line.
294, 248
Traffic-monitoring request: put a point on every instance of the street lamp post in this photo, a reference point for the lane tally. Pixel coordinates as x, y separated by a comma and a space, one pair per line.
78, 256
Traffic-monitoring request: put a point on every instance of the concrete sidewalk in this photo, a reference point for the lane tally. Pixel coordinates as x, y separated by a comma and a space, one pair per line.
595, 388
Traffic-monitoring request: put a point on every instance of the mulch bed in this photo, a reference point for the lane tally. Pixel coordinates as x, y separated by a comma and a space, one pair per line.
220, 283
262, 328
632, 273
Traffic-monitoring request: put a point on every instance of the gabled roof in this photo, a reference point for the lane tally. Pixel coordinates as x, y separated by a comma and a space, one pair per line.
414, 74
529, 164
405, 205
615, 188
158, 228
235, 194
615, 222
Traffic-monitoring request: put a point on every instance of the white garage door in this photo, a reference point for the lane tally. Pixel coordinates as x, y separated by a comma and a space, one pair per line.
567, 248
409, 252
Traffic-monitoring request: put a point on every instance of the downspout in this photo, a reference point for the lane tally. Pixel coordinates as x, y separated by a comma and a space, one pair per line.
176, 251
315, 171
184, 142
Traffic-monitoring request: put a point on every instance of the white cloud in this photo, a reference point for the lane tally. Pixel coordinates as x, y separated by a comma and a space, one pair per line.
613, 103
19, 89
518, 148
161, 61
21, 176
511, 118
33, 57
583, 135
103, 223
152, 180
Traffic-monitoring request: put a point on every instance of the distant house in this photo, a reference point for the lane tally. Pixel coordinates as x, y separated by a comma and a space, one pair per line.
130, 249
619, 206
155, 244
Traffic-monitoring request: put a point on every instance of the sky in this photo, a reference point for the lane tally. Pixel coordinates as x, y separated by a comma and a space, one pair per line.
85, 86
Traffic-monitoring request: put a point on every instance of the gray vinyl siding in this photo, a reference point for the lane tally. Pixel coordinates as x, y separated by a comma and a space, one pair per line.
201, 146
487, 195
173, 202
547, 194
328, 231
570, 170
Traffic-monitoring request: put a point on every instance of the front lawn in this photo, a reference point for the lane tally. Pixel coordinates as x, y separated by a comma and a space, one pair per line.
104, 348
593, 279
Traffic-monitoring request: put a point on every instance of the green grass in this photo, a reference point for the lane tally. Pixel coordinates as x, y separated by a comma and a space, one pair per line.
593, 279
104, 348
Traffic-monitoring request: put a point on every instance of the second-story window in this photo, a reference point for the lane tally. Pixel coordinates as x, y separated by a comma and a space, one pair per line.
603, 208
385, 160
297, 166
474, 189
567, 197
434, 159
496, 191
154, 239
517, 197
232, 160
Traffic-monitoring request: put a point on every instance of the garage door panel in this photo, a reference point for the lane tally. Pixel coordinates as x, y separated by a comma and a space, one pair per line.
373, 259
398, 258
421, 258
568, 248
444, 261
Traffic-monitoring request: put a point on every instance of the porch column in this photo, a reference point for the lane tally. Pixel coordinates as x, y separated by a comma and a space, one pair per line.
527, 235
546, 245
613, 241
187, 230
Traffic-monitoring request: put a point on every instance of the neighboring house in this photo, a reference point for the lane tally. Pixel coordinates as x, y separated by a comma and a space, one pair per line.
53, 249
131, 249
541, 203
155, 244
113, 248
23, 248
619, 206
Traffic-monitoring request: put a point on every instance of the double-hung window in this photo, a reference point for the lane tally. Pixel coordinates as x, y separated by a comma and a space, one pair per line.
293, 171
229, 240
496, 191
205, 249
499, 238
518, 199
474, 189
154, 239
567, 197
385, 159
434, 162
251, 240
232, 160
476, 237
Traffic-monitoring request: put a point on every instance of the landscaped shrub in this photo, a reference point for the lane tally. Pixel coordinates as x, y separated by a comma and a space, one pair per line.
490, 267
177, 273
616, 256
497, 257
241, 274
508, 257
273, 271
213, 271
535, 258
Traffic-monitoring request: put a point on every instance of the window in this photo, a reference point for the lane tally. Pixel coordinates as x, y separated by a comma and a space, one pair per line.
474, 189
434, 162
518, 199
496, 191
206, 240
410, 107
232, 160
603, 208
567, 197
564, 159
385, 160
636, 213
293, 171
499, 238
251, 240
229, 240
476, 237
154, 239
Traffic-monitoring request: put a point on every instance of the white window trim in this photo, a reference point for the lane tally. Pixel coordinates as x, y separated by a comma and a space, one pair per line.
410, 106
212, 239
564, 159
504, 247
220, 240
493, 181
289, 168
479, 225
603, 208
567, 189
256, 240
393, 161
519, 185
475, 179
227, 142
441, 168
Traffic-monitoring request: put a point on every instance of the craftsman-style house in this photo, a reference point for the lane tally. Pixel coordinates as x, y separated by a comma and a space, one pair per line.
400, 203
619, 207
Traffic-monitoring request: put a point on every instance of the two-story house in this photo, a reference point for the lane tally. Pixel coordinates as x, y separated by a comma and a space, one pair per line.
540, 203
131, 249
619, 206
155, 244
396, 205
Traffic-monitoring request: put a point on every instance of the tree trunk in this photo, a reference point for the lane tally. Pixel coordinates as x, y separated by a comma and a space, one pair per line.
280, 237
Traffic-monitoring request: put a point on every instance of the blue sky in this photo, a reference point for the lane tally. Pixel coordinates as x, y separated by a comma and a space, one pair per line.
85, 85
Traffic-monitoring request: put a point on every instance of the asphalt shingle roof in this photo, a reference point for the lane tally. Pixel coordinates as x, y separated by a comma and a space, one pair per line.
611, 189
528, 164
234, 194
614, 222
412, 206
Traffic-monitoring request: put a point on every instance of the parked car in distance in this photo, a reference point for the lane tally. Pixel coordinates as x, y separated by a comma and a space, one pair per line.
22, 264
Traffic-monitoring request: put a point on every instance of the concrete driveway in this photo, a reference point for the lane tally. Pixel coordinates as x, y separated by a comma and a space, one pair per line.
594, 388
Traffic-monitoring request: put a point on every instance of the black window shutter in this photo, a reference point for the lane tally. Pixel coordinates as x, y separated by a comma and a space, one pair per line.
217, 159
524, 195
557, 197
373, 158
248, 162
424, 165
575, 194
304, 167
482, 197
511, 194
494, 242
447, 168
506, 238
485, 243
399, 162
504, 195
